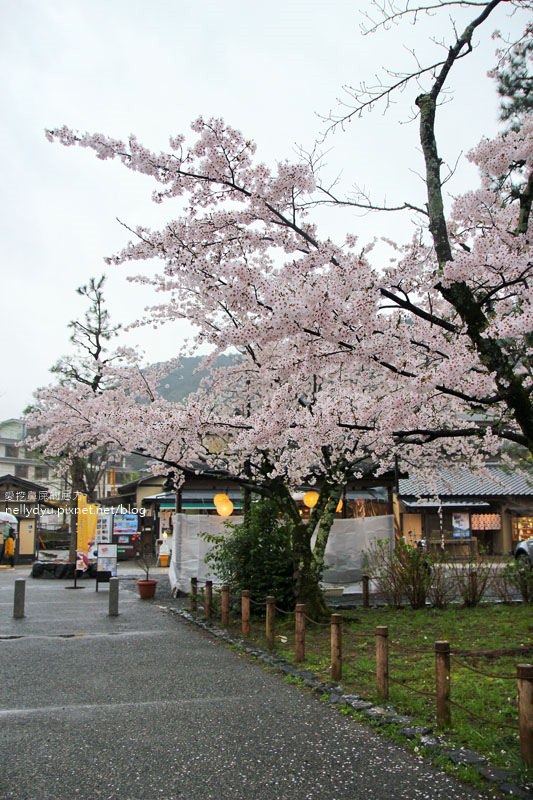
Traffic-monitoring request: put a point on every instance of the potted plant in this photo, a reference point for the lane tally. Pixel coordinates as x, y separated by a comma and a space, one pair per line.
146, 586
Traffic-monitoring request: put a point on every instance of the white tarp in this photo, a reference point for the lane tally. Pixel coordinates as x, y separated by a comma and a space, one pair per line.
347, 540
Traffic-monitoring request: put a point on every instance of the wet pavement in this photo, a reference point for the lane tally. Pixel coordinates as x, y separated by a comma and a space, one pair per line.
144, 705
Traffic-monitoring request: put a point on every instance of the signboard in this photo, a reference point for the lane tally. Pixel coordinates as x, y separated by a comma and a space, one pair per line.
125, 523
460, 525
103, 529
106, 563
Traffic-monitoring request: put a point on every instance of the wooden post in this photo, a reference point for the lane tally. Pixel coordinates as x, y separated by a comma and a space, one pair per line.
336, 647
270, 624
366, 591
382, 661
194, 594
224, 604
525, 711
245, 612
208, 600
442, 681
472, 579
299, 632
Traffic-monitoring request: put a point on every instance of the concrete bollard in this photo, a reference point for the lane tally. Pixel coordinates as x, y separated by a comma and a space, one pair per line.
113, 597
19, 598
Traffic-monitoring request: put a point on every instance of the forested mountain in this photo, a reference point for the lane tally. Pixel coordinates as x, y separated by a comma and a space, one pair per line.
185, 379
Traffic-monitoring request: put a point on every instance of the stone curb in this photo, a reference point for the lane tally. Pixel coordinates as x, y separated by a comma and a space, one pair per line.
501, 779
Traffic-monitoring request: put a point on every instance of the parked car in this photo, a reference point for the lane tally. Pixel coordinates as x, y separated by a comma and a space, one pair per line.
524, 551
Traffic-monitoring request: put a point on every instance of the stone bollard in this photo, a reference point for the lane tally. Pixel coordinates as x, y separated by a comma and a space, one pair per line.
113, 597
19, 598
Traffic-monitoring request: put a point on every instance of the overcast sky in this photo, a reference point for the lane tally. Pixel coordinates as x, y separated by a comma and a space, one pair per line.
152, 66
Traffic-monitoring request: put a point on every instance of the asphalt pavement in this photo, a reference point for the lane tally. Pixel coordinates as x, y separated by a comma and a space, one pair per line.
144, 706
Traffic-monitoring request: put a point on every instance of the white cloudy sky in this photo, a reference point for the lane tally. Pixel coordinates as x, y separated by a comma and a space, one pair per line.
152, 66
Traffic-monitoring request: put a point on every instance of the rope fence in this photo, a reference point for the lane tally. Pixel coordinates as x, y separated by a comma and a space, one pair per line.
442, 653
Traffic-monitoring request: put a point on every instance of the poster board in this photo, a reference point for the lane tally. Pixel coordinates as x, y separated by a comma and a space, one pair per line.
106, 563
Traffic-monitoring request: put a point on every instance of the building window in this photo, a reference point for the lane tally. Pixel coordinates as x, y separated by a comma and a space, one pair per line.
21, 471
12, 451
41, 473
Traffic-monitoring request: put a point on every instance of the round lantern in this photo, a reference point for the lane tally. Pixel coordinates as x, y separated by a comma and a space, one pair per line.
220, 498
310, 499
224, 508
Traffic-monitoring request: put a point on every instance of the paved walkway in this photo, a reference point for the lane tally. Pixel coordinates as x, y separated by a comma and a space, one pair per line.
145, 706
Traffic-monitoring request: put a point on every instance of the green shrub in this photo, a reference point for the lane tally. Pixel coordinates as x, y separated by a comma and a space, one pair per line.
256, 554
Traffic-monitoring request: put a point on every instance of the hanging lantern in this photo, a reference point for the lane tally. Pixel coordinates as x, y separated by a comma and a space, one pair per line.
224, 508
310, 499
339, 507
220, 498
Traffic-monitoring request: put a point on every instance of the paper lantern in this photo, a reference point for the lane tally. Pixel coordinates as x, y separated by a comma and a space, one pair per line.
339, 507
220, 498
224, 508
310, 499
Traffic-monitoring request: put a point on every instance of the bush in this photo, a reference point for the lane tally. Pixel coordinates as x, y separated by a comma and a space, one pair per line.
400, 571
516, 576
256, 555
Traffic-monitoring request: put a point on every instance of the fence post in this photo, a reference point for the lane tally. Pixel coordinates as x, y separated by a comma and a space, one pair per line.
366, 591
194, 594
299, 632
442, 681
472, 581
525, 711
270, 620
382, 661
336, 647
113, 597
208, 599
19, 598
245, 612
224, 604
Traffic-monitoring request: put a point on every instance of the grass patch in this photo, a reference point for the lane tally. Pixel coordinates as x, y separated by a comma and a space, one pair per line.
483, 687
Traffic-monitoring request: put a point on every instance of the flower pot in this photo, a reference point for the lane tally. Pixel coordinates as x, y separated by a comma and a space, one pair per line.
163, 560
146, 589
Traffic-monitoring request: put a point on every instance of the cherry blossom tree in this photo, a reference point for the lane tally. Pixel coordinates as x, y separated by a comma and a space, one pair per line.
347, 359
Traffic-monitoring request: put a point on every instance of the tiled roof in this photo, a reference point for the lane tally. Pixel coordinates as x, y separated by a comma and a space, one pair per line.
492, 481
